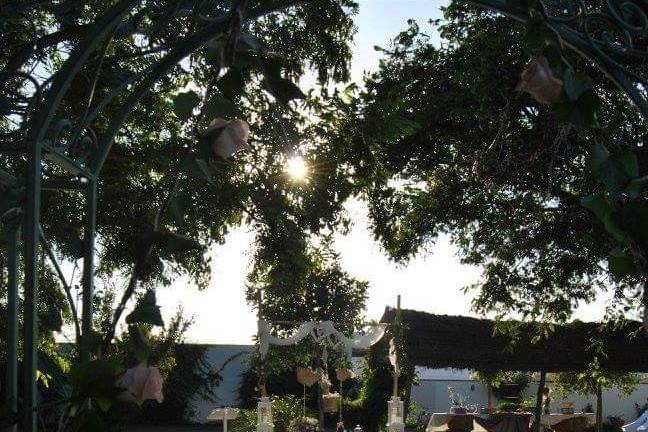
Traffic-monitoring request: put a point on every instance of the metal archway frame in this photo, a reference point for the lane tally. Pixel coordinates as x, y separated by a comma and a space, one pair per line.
614, 52
613, 36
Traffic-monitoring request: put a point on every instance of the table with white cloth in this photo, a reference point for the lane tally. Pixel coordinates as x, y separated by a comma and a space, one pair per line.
496, 422
554, 419
439, 422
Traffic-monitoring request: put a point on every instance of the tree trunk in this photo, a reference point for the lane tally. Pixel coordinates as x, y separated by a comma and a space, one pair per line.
490, 398
538, 408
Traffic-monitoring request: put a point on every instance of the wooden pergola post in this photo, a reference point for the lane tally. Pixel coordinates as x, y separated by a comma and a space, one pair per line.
395, 380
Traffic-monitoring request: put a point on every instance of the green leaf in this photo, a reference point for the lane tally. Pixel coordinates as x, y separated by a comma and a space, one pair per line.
104, 403
146, 311
621, 265
537, 36
96, 378
52, 320
576, 84
184, 104
231, 84
616, 170
139, 343
633, 220
282, 89
627, 162
602, 208
520, 5
250, 42
178, 207
218, 106
197, 168
88, 420
636, 187
175, 243
598, 204
76, 244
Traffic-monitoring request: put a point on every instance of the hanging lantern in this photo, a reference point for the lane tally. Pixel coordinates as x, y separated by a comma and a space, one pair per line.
306, 376
331, 402
344, 374
227, 137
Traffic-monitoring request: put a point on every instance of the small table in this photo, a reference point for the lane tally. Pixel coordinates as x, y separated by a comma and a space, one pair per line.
223, 414
441, 422
506, 422
496, 422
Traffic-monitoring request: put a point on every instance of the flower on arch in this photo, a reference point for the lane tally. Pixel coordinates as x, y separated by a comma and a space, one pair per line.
227, 137
538, 80
141, 383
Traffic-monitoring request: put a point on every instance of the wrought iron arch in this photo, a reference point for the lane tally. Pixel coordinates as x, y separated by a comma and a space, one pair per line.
619, 48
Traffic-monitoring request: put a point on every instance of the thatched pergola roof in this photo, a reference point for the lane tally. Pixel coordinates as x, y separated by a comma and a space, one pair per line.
440, 341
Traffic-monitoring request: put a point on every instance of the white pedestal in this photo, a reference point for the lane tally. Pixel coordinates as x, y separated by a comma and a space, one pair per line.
395, 413
264, 415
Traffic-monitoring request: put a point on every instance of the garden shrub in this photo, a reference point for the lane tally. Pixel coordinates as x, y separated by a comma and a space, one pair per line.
284, 410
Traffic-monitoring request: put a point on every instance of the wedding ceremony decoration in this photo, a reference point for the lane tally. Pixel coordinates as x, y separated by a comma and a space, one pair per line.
323, 331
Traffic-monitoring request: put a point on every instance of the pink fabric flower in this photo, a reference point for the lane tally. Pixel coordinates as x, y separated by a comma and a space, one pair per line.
141, 383
538, 80
232, 138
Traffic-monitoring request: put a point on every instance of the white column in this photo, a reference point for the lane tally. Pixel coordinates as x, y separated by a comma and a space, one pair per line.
264, 415
395, 411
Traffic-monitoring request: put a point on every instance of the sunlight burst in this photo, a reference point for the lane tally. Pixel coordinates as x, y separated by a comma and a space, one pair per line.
296, 168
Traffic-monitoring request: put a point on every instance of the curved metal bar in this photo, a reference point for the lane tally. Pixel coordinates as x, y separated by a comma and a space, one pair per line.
575, 28
184, 48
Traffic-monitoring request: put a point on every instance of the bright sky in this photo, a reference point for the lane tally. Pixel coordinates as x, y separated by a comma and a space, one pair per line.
431, 282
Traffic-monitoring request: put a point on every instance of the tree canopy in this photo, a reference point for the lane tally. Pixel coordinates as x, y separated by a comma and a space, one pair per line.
444, 144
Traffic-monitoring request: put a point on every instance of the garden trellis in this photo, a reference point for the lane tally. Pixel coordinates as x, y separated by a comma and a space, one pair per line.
65, 152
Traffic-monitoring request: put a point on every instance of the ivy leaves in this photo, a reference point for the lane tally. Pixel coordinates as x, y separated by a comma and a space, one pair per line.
621, 207
184, 104
146, 311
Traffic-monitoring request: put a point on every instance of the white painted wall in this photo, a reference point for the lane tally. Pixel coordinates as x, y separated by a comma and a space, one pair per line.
432, 394
228, 390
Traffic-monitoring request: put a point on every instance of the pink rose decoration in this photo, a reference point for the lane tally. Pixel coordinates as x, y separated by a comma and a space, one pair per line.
141, 383
538, 80
232, 138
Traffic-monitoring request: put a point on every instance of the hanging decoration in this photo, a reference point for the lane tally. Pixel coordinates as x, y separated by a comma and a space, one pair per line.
393, 357
321, 331
344, 374
307, 376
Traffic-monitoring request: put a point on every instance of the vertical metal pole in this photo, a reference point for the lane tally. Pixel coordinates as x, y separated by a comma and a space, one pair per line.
88, 268
538, 408
398, 316
599, 408
12, 321
30, 326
